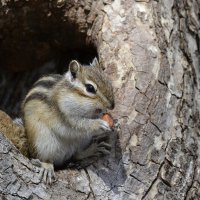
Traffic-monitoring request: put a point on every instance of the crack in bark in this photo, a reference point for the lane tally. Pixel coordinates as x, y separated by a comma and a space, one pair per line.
137, 163
137, 179
191, 185
154, 162
24, 164
163, 83
144, 93
173, 94
165, 182
172, 165
156, 126
152, 183
88, 176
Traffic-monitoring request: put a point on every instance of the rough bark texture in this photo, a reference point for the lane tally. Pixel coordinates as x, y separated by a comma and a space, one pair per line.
150, 49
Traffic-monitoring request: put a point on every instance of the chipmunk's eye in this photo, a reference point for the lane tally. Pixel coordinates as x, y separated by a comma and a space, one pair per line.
90, 88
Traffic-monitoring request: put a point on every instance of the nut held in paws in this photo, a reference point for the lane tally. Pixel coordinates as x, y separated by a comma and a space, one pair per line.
107, 117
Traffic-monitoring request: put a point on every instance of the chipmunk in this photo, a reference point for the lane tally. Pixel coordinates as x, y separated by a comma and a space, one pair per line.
61, 115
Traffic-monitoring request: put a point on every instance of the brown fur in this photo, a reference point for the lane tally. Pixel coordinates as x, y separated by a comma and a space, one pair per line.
16, 134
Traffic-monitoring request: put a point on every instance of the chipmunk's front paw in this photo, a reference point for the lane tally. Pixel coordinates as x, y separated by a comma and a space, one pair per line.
101, 125
102, 149
84, 158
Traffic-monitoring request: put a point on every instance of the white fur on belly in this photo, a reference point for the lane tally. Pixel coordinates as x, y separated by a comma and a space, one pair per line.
58, 148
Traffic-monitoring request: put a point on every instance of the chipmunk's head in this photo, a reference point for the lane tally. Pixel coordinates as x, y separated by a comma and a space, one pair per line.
88, 92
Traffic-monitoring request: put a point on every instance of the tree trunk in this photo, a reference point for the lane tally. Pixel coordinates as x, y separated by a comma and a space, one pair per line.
150, 50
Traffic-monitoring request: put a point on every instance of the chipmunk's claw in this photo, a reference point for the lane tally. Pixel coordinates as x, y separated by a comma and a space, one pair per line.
46, 171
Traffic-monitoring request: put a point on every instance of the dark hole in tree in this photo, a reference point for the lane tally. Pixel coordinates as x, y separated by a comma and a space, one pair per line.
35, 42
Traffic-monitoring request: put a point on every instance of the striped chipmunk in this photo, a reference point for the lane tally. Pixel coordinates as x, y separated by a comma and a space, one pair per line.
62, 113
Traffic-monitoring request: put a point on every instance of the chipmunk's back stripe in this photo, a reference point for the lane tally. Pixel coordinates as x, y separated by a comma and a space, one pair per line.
48, 81
37, 96
55, 76
45, 83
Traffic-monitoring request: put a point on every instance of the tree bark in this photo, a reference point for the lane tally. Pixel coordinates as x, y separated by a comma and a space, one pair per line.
150, 50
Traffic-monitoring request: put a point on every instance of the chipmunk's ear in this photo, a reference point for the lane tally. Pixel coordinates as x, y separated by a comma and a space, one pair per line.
74, 68
95, 63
